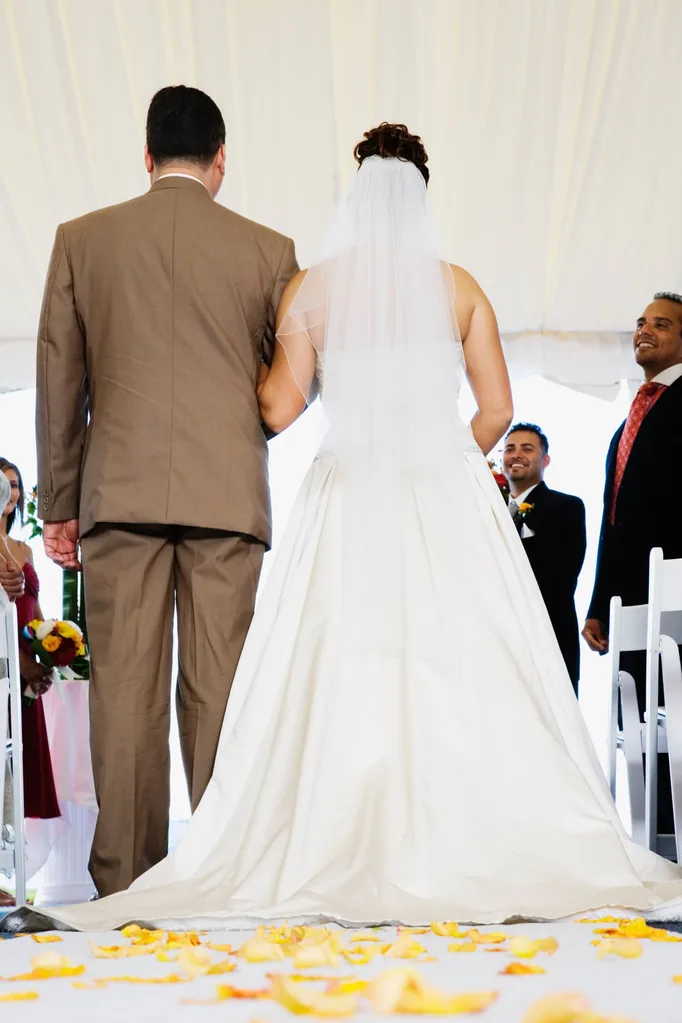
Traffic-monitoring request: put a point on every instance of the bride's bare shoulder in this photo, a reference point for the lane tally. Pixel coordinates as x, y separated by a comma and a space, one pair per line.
468, 296
465, 283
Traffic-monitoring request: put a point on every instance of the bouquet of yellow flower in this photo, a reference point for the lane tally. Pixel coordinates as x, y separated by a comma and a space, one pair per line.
56, 644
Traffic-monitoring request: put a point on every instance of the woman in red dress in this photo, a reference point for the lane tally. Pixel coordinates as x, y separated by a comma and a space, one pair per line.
40, 797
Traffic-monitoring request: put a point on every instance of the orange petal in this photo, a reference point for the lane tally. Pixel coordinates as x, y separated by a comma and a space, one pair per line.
226, 991
489, 938
520, 969
219, 948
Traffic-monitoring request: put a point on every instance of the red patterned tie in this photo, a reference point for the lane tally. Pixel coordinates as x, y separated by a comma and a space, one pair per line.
645, 399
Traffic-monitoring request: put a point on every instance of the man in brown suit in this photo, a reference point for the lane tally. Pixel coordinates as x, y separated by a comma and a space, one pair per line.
156, 317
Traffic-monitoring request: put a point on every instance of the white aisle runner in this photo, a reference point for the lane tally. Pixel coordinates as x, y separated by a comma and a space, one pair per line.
640, 990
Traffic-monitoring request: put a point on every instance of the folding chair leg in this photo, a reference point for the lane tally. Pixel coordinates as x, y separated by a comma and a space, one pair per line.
632, 748
17, 755
672, 688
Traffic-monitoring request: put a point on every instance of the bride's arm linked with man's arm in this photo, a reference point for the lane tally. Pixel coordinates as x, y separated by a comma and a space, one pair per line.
285, 388
485, 364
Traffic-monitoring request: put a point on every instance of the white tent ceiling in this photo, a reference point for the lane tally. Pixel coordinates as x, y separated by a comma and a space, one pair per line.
552, 128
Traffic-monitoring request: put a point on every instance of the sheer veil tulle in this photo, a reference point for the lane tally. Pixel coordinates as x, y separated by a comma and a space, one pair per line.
378, 310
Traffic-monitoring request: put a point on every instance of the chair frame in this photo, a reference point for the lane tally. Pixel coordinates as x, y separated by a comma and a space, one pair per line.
11, 748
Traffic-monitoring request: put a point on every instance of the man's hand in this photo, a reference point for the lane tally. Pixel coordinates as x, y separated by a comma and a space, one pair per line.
596, 636
61, 543
11, 578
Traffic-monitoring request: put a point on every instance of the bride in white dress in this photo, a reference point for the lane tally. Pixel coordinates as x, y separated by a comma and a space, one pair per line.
402, 742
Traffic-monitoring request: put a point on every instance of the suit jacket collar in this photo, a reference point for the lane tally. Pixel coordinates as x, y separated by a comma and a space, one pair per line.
185, 184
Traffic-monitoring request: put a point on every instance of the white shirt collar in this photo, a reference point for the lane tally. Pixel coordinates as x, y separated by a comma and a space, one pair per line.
179, 174
668, 376
524, 496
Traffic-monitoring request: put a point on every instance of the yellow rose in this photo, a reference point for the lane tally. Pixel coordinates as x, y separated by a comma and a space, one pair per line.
52, 643
525, 507
34, 624
66, 630
80, 650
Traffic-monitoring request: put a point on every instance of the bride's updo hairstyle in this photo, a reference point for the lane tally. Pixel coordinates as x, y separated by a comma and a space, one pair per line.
393, 140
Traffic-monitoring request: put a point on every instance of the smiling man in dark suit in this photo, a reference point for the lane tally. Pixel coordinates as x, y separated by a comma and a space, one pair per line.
552, 528
643, 494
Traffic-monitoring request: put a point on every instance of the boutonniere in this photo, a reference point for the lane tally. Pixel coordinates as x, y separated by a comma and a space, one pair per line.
524, 510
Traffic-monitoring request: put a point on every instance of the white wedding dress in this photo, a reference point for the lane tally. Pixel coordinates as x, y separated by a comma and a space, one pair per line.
398, 760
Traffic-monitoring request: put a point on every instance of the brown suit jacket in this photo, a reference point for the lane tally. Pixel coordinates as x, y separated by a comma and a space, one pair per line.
156, 315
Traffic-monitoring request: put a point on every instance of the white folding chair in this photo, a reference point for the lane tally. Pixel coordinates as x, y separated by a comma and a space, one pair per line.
12, 854
664, 623
627, 633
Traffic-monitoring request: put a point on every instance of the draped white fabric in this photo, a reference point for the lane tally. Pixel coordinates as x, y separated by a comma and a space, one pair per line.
550, 126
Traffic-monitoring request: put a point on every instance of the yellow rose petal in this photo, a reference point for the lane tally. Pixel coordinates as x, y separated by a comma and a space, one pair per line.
404, 991
219, 948
223, 967
256, 950
304, 1000
463, 946
194, 962
626, 948
564, 1008
46, 939
315, 955
528, 948
447, 930
20, 996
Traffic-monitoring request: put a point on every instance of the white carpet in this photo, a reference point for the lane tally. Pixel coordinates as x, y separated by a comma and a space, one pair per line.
639, 989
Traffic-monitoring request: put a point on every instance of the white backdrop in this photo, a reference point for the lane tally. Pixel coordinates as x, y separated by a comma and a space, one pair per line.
551, 126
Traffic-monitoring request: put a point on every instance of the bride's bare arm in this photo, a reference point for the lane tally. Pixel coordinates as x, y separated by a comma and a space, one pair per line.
485, 364
282, 388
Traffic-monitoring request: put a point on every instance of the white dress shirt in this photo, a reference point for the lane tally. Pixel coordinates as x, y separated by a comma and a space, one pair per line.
524, 496
668, 376
179, 174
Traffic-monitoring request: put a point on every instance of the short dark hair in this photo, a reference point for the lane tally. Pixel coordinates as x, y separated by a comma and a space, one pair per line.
5, 464
669, 296
184, 124
531, 428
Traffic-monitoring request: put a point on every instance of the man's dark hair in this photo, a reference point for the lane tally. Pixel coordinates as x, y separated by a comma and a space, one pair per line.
184, 125
669, 296
531, 428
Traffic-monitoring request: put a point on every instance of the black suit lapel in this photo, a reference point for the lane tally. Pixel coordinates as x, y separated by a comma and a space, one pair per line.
652, 427
537, 498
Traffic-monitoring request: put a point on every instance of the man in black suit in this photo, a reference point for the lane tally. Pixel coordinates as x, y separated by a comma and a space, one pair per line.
552, 531
643, 492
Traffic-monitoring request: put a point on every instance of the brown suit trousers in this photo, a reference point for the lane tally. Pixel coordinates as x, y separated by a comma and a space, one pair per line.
133, 579
156, 316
